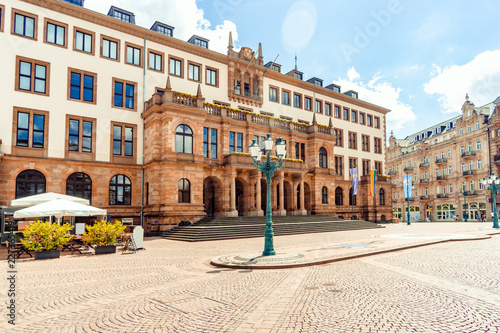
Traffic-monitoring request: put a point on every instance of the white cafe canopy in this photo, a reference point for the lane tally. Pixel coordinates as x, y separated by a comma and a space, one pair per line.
59, 208
44, 197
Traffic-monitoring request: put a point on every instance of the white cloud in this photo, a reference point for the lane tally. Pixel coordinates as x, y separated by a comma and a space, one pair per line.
480, 78
184, 15
380, 92
352, 74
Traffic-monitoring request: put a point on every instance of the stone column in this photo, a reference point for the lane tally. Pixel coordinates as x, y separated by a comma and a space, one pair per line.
232, 200
282, 211
302, 199
257, 211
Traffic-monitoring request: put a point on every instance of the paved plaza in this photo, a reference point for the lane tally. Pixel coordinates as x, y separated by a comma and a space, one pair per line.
377, 280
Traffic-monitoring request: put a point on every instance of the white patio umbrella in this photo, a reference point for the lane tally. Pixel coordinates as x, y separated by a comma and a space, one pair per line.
44, 197
59, 208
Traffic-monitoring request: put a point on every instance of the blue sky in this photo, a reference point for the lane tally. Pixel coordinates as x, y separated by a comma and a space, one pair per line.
417, 58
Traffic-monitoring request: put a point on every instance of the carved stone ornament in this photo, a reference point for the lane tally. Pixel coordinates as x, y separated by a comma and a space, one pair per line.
246, 53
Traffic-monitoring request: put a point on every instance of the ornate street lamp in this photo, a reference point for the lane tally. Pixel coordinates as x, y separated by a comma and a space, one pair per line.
493, 185
268, 167
462, 191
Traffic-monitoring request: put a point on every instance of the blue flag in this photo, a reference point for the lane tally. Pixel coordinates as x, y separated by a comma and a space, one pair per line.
407, 185
355, 180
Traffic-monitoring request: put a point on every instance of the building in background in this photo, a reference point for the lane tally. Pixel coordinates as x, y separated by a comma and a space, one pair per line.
446, 162
157, 129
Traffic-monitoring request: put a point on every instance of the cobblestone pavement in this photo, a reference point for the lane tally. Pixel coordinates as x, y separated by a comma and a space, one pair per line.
171, 287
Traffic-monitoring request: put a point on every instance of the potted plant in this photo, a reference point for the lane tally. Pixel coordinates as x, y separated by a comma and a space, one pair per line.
45, 238
103, 235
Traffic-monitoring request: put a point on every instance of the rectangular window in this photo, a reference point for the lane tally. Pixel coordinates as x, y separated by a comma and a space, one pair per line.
124, 94
82, 85
346, 114
175, 67
478, 145
194, 72
24, 24
239, 142
339, 165
32, 76
328, 109
369, 120
285, 97
156, 61
209, 142
338, 137
354, 116
84, 41
353, 163
365, 142
450, 170
361, 118
212, 77
80, 131
124, 139
232, 142
133, 55
337, 111
213, 143
297, 100
366, 167
479, 164
55, 32
377, 145
318, 106
273, 94
377, 122
352, 140
110, 48
31, 129
307, 103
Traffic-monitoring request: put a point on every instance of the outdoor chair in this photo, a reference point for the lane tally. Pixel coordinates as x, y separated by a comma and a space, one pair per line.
18, 249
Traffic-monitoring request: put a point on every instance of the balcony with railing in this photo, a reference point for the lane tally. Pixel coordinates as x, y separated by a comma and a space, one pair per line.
442, 195
198, 101
441, 160
424, 180
409, 168
391, 172
394, 201
468, 193
470, 153
443, 177
425, 165
467, 172
425, 197
246, 159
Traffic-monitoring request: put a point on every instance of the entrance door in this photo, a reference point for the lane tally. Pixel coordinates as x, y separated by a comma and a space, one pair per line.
240, 199
209, 198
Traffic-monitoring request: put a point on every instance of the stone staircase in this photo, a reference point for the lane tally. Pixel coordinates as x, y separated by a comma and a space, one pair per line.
247, 227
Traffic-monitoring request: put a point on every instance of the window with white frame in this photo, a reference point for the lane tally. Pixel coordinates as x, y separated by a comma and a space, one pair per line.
451, 188
479, 164
472, 185
133, 55
478, 145
463, 167
468, 128
461, 131
450, 170
477, 125
471, 165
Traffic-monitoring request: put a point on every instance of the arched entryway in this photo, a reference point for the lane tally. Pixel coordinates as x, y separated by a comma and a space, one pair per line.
212, 193
240, 198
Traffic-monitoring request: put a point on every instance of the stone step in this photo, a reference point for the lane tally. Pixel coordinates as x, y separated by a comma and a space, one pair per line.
230, 230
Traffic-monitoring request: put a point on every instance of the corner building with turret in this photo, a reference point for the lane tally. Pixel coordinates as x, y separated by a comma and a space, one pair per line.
157, 129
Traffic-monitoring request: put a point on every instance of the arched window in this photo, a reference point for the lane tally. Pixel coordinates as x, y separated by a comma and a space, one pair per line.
381, 195
339, 201
183, 139
184, 191
323, 160
324, 195
120, 190
79, 185
29, 182
352, 198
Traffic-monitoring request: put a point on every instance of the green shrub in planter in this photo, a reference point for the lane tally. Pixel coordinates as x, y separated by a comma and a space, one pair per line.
103, 233
45, 236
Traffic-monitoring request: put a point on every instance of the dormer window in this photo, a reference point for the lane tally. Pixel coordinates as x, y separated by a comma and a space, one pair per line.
199, 41
163, 28
122, 14
76, 2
